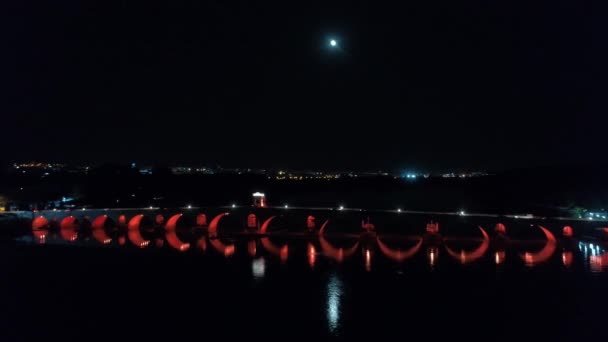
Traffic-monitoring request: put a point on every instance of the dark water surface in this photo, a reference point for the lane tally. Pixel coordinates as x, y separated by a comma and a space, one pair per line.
82, 290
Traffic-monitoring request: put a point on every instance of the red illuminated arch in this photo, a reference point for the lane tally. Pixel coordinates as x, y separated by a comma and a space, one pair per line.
40, 222
467, 257
99, 229
99, 222
399, 255
265, 225
322, 230
171, 236
134, 234
68, 222
172, 222
68, 228
175, 242
214, 223
281, 252
545, 253
337, 254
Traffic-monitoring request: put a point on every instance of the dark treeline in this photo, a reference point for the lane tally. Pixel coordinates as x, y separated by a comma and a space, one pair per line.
541, 191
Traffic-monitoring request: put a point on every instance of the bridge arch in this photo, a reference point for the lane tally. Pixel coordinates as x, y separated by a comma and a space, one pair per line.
40, 222
171, 236
172, 222
265, 225
282, 252
322, 229
134, 233
213, 225
545, 253
67, 228
98, 228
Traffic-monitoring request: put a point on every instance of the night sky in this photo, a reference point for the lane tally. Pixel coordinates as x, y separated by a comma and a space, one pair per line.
426, 85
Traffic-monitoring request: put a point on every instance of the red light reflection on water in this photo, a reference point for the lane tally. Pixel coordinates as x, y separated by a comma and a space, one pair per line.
311, 254
467, 257
226, 250
338, 254
282, 252
567, 258
433, 255
175, 242
202, 244
499, 257
396, 254
598, 263
252, 248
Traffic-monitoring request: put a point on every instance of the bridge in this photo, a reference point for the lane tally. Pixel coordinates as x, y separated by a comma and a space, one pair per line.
216, 227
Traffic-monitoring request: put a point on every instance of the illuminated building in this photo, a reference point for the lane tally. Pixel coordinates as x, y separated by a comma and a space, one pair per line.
259, 200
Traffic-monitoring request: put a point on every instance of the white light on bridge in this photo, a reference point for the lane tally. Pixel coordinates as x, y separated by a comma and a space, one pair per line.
189, 206
398, 210
234, 205
341, 207
333, 43
461, 213
258, 194
286, 206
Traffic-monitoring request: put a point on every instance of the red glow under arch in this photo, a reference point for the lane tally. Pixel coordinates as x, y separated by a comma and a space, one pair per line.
40, 222
214, 223
398, 255
467, 257
545, 253
265, 225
